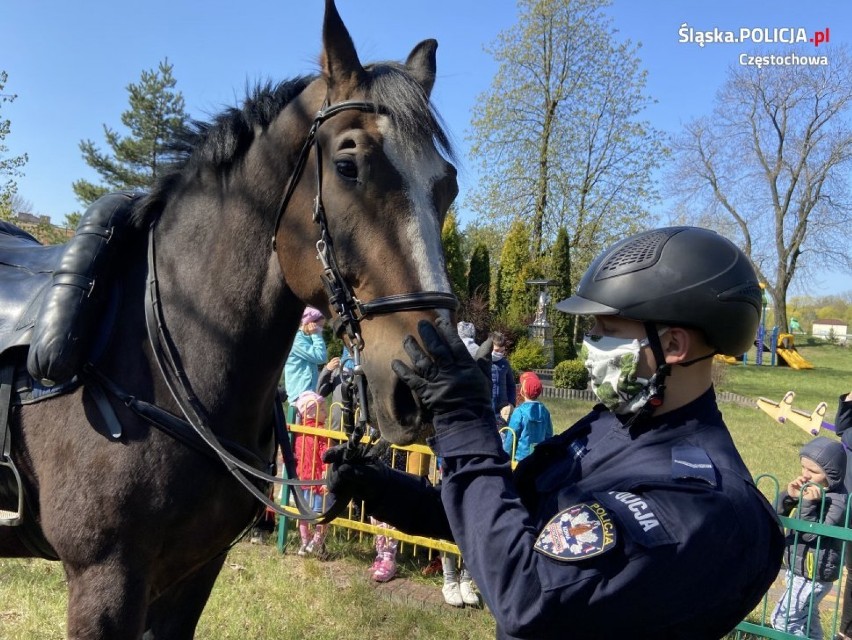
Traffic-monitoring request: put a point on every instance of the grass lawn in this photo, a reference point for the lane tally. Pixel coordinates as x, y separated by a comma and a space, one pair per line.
261, 594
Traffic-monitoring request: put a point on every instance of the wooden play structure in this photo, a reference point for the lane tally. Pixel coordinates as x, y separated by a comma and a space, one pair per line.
784, 411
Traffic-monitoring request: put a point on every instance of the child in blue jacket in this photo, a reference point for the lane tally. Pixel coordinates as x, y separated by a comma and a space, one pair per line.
530, 420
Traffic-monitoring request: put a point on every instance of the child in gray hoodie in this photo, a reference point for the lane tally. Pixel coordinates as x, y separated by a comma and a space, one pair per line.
813, 562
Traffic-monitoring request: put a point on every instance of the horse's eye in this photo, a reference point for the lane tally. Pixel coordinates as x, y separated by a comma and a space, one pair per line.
347, 169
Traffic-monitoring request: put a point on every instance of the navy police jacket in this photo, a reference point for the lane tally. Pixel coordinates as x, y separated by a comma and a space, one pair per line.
604, 531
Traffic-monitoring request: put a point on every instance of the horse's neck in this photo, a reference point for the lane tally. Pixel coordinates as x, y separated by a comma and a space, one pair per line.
225, 308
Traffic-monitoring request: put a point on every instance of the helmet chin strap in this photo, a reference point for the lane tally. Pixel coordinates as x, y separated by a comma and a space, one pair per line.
657, 382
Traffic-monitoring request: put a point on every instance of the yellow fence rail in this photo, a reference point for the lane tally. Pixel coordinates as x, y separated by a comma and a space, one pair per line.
416, 459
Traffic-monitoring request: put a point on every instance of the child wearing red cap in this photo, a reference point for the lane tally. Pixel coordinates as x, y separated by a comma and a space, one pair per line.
530, 421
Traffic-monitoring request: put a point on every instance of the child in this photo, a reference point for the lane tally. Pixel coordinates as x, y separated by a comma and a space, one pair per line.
530, 420
308, 449
502, 379
813, 563
307, 352
383, 568
458, 584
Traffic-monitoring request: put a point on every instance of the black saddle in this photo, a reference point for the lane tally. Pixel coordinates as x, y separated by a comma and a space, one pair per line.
49, 299
26, 268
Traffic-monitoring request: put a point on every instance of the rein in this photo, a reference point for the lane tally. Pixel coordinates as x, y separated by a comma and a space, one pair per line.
350, 311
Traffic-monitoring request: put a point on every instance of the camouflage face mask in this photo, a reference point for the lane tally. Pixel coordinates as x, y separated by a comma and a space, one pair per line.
612, 364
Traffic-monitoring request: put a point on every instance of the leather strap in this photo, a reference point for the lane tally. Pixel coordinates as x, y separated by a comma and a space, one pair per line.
7, 377
108, 413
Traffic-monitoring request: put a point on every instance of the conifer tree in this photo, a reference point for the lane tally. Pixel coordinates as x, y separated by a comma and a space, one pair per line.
479, 274
452, 243
514, 257
563, 323
155, 116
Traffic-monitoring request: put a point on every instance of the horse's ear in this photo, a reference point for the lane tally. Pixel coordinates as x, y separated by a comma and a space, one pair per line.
422, 64
339, 60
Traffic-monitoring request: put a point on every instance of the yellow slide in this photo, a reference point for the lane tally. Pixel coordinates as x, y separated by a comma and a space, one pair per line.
793, 359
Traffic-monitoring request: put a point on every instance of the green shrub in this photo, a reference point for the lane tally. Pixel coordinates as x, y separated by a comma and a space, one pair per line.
563, 350
527, 355
570, 374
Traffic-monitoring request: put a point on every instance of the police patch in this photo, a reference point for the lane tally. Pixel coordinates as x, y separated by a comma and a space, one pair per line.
578, 532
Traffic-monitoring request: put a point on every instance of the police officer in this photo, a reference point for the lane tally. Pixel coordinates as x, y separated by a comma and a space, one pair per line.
639, 521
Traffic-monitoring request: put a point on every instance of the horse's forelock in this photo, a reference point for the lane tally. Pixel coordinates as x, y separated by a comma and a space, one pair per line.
394, 88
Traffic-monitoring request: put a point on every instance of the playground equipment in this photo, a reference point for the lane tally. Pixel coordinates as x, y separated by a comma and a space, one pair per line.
788, 354
782, 352
783, 412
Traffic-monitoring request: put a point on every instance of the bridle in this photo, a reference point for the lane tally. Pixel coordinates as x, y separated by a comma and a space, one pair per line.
349, 310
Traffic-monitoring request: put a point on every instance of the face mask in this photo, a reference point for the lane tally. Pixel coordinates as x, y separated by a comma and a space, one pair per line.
497, 355
612, 365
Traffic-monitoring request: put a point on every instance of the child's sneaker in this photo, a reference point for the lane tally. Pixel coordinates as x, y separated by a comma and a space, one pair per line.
386, 569
303, 550
452, 594
469, 596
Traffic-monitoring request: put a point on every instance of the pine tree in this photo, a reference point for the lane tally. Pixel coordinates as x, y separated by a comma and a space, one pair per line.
10, 166
563, 323
155, 116
451, 240
479, 274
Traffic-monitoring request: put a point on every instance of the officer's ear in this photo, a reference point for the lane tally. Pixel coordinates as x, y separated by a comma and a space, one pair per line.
676, 343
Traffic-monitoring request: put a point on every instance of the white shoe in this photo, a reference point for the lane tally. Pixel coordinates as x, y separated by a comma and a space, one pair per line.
469, 596
452, 594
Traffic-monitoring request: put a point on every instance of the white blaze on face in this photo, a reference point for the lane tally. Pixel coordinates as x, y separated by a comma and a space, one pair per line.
421, 229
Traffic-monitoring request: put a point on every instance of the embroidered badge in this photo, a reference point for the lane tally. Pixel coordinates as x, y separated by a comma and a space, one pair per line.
578, 532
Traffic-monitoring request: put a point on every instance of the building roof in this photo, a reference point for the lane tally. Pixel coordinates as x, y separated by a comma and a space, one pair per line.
832, 321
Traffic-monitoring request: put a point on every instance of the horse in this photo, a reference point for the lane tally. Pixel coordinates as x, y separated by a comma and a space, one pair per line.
326, 190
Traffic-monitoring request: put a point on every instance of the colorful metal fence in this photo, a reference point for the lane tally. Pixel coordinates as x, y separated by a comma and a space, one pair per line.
419, 460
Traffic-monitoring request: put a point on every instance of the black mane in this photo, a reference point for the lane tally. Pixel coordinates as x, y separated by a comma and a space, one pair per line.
230, 134
220, 142
223, 141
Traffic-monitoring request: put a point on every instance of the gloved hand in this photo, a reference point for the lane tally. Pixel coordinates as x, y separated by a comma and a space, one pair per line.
354, 474
444, 376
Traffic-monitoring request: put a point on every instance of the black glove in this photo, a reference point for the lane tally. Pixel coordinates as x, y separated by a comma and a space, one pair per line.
445, 377
352, 473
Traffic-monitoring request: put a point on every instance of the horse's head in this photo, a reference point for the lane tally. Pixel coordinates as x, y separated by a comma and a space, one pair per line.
378, 164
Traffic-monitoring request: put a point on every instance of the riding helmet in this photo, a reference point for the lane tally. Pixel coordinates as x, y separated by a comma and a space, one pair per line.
676, 276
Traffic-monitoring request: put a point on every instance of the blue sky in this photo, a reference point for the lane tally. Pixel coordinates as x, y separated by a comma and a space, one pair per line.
69, 63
